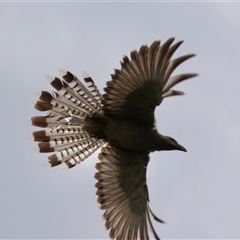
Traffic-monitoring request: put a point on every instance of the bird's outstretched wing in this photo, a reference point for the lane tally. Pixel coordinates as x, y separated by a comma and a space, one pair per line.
143, 81
123, 193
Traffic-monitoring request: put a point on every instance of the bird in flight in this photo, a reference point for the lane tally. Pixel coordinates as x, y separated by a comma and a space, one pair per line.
121, 122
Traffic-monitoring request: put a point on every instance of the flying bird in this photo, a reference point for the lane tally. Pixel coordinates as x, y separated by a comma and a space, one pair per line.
121, 122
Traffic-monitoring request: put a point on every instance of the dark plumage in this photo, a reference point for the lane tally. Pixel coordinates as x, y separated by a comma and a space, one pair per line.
81, 120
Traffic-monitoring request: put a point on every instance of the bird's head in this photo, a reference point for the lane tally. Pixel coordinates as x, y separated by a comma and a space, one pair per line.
168, 143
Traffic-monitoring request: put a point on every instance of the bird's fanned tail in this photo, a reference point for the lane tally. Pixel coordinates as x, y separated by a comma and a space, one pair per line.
67, 133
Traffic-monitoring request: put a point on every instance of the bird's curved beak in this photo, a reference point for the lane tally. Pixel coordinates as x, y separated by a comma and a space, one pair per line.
180, 147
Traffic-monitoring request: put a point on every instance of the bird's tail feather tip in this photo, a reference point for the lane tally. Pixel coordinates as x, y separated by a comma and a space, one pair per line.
50, 78
38, 93
46, 164
30, 136
62, 71
64, 167
85, 75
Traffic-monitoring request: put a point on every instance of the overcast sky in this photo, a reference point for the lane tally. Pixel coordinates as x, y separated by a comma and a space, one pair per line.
197, 193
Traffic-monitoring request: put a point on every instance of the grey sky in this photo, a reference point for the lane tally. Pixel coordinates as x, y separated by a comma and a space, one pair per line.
197, 193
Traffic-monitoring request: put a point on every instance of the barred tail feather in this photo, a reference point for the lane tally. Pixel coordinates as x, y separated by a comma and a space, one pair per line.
75, 153
67, 133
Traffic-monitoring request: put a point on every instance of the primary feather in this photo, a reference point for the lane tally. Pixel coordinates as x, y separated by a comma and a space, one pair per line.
80, 120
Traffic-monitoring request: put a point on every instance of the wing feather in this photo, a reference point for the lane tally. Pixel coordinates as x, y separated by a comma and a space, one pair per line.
143, 81
122, 192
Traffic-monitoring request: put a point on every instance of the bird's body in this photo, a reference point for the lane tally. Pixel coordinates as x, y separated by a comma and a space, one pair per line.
128, 134
81, 120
